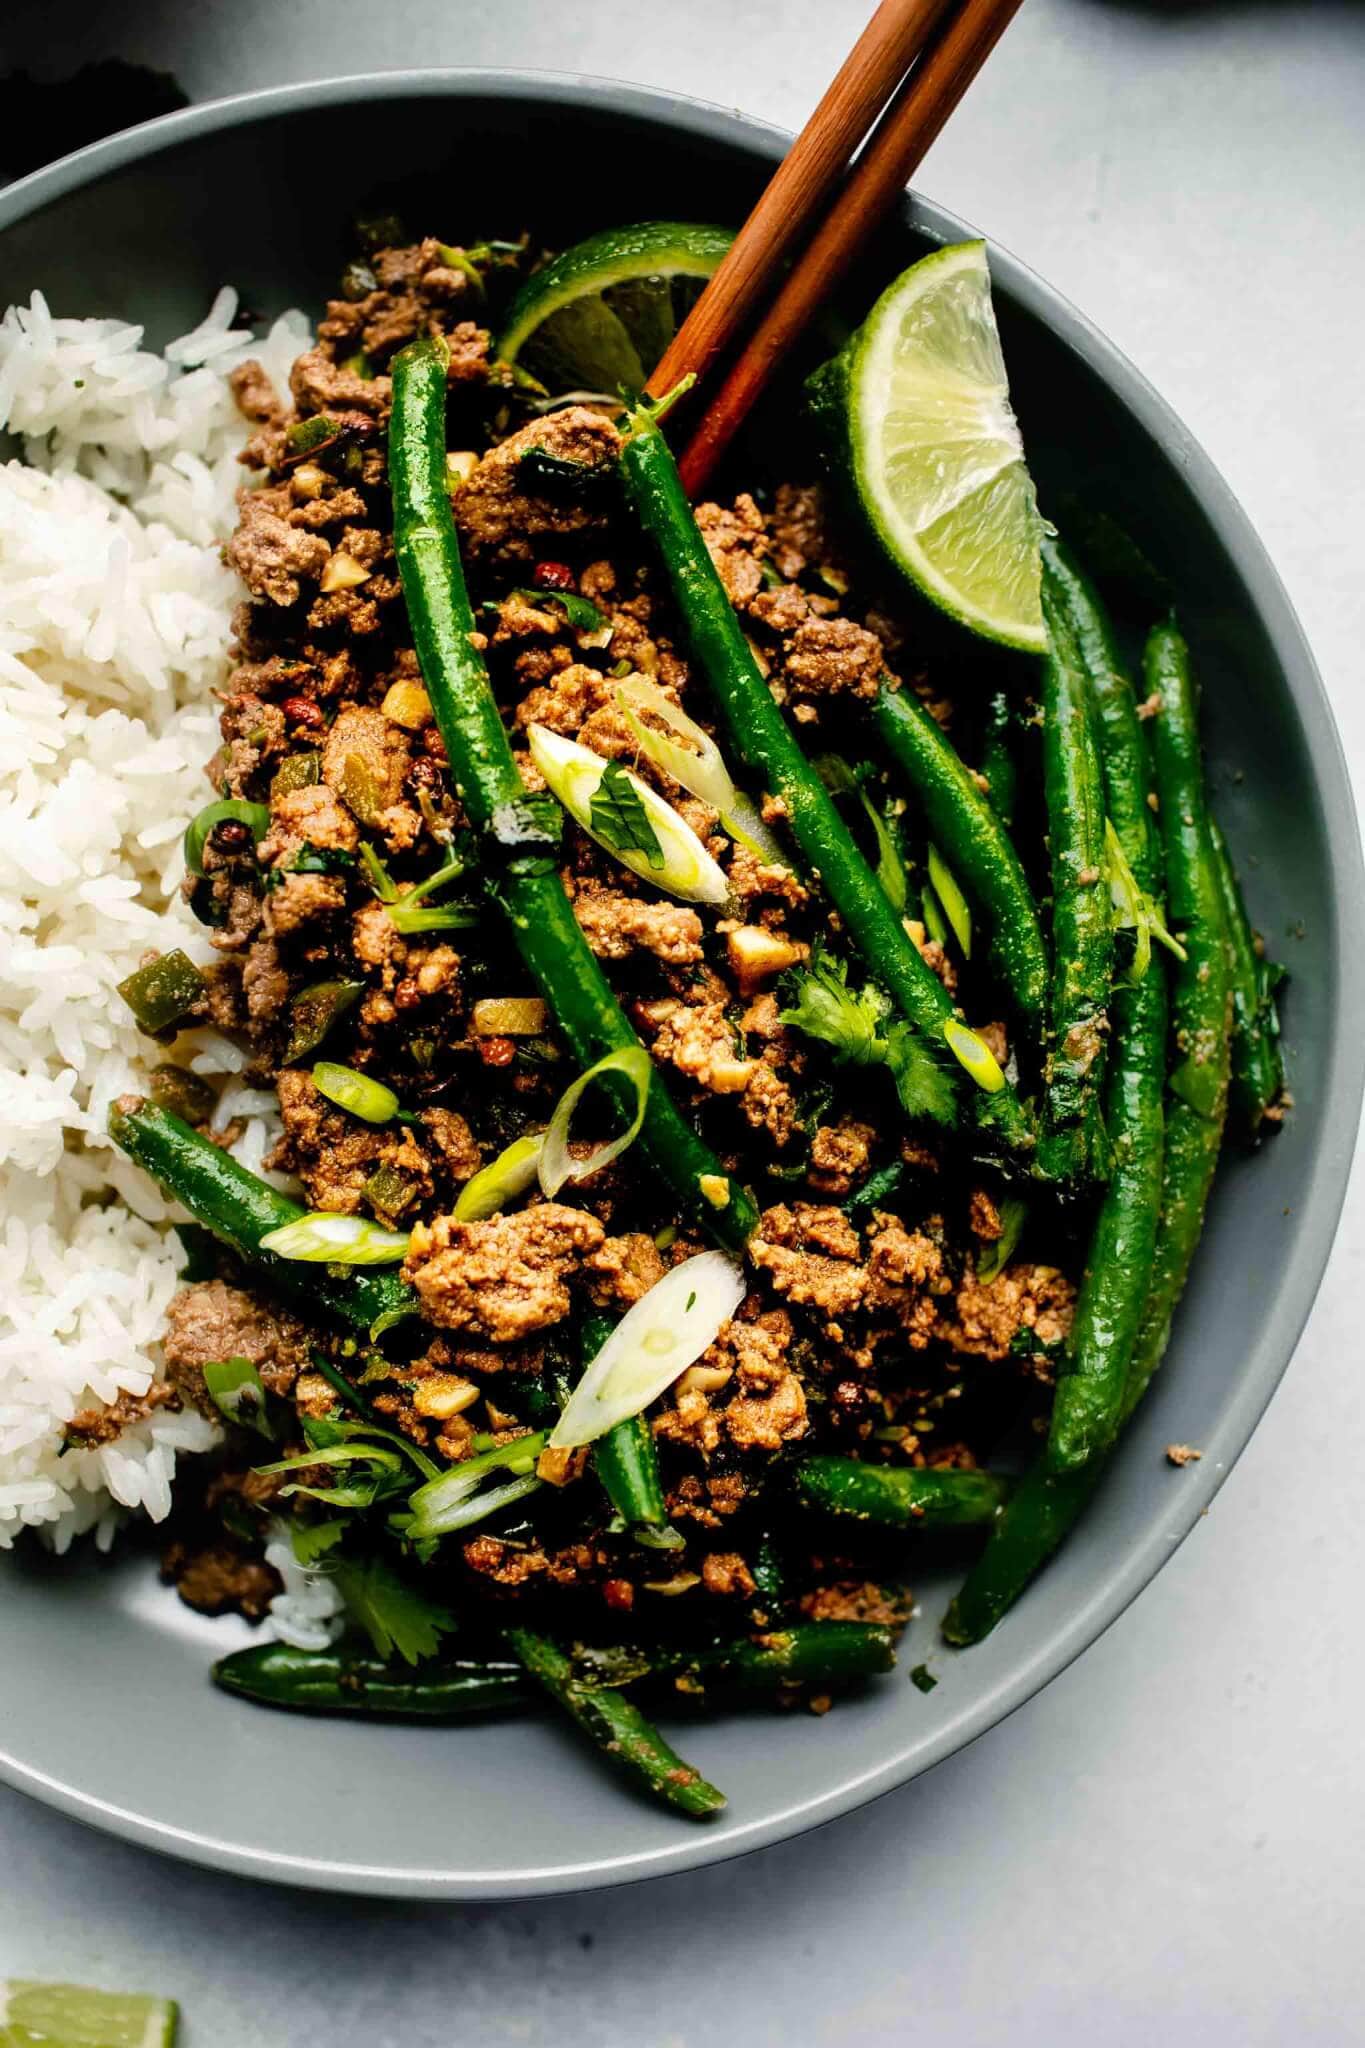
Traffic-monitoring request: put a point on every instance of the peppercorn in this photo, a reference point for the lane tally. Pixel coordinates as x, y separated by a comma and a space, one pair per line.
407, 995
230, 835
554, 576
619, 1593
423, 774
433, 744
303, 713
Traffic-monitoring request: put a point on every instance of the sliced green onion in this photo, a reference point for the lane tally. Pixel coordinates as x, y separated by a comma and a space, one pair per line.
933, 917
581, 613
370, 1100
432, 917
381, 881
699, 766
955, 906
234, 1386
476, 1508
575, 774
554, 1165
996, 1256
296, 771
161, 991
667, 1330
324, 1239
257, 816
502, 1181
443, 1503
1133, 910
975, 1055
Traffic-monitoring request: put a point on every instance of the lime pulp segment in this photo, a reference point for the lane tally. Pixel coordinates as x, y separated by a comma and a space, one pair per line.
937, 455
34, 2015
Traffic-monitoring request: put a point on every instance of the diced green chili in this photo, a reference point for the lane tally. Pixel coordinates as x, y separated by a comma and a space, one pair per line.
160, 992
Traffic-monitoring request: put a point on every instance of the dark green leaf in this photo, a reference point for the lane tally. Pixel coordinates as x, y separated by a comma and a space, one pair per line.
399, 1621
574, 483
619, 818
581, 613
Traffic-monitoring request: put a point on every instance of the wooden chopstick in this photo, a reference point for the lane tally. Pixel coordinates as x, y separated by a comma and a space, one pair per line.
907, 130
819, 157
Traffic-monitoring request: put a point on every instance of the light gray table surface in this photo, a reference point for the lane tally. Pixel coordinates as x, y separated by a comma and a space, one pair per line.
1166, 1846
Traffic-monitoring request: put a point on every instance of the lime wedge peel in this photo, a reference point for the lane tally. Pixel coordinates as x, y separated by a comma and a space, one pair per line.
602, 312
34, 2015
935, 450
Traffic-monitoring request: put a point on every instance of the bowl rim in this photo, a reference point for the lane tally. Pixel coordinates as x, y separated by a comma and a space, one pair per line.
1327, 1174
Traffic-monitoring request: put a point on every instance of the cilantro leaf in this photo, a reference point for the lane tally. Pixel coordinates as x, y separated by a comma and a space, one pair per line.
828, 1009
312, 1540
619, 819
399, 1621
924, 1088
858, 1026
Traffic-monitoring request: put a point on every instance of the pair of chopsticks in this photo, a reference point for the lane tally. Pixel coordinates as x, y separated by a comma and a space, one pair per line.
911, 66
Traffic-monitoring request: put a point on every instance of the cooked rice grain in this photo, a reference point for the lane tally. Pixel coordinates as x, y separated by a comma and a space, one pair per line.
114, 625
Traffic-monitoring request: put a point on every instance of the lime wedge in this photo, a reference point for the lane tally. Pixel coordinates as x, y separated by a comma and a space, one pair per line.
918, 408
601, 314
68, 2016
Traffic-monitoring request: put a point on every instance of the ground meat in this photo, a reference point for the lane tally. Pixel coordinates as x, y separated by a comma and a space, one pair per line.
334, 1154
265, 984
725, 1573
503, 1278
495, 511
623, 1269
706, 1500
811, 1257
839, 1155
985, 1320
616, 926
320, 384
301, 901
738, 545
829, 656
800, 538
211, 1321
514, 1565
274, 558
257, 399
858, 1600
222, 1578
983, 1217
367, 758
454, 1141
768, 1406
307, 817
89, 1428
696, 1038
566, 701
906, 1279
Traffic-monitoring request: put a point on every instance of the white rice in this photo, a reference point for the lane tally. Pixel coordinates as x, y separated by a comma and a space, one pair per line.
114, 626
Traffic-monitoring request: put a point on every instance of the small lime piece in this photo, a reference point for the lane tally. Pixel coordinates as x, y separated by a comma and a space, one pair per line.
599, 316
69, 2016
918, 408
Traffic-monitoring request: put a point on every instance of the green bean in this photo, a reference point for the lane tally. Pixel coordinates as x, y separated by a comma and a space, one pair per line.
899, 1496
336, 1682
761, 737
822, 1653
1109, 1308
999, 768
975, 843
625, 1459
518, 834
1257, 1081
1071, 1147
618, 1728
1036, 1519
1201, 999
241, 1210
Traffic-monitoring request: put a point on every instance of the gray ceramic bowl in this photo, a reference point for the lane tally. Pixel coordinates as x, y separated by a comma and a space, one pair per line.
105, 1706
